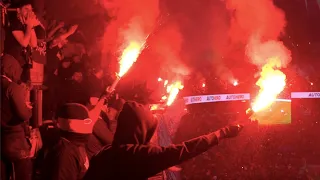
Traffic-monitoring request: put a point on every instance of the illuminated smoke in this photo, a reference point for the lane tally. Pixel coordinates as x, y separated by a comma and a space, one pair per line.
258, 25
167, 47
131, 21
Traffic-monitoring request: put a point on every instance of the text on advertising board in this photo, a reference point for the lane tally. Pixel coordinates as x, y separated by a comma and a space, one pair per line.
196, 99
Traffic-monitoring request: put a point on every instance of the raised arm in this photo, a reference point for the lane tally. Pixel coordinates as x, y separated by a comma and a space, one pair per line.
33, 39
156, 159
24, 38
64, 36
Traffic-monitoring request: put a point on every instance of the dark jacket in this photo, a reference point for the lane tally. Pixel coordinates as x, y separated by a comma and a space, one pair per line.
67, 160
100, 137
14, 112
132, 157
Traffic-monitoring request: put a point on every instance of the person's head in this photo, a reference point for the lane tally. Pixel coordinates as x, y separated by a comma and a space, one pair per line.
74, 117
11, 68
115, 108
135, 125
99, 73
77, 76
24, 7
76, 59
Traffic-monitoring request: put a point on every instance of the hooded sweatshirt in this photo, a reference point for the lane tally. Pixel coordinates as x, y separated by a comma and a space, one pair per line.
14, 111
132, 157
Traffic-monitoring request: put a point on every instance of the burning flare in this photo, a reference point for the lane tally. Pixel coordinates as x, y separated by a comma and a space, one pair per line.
271, 83
173, 90
129, 56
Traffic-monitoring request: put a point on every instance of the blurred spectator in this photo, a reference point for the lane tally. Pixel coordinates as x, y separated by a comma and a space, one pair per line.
15, 115
21, 36
68, 158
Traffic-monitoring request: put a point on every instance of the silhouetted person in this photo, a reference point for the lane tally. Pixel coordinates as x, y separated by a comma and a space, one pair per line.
15, 115
67, 159
132, 157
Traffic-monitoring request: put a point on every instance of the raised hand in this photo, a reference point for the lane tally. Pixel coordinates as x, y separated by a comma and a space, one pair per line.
73, 29
231, 130
29, 20
61, 24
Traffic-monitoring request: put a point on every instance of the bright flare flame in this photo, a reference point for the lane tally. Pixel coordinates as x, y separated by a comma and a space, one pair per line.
203, 85
271, 83
129, 56
173, 90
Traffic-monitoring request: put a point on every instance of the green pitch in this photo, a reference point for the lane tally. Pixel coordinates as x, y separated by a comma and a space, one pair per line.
278, 113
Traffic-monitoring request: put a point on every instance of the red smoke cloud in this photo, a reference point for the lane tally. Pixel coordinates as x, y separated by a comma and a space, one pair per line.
162, 59
133, 21
255, 17
258, 25
167, 46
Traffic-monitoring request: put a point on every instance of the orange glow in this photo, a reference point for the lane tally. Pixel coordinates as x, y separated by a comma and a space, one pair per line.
271, 83
129, 56
203, 85
173, 90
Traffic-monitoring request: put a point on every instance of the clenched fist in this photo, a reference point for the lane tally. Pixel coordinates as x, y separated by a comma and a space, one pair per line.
231, 131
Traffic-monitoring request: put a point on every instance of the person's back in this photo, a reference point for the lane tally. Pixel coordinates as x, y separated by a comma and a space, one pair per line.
54, 166
132, 157
67, 160
15, 114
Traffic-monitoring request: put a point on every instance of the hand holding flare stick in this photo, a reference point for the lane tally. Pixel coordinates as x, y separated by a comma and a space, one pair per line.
128, 58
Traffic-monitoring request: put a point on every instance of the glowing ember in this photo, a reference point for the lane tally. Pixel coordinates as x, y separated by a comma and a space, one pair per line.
165, 83
173, 90
235, 83
129, 56
154, 107
271, 83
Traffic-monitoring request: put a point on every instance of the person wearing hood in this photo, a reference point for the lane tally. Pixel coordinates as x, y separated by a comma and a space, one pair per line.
15, 115
67, 159
131, 156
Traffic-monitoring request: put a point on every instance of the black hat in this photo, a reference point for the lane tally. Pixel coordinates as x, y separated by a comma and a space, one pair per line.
73, 111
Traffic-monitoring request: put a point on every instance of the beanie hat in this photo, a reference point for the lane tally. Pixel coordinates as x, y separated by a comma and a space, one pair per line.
73, 111
118, 104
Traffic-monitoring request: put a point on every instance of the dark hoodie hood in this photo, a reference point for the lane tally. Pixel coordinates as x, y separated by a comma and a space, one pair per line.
11, 68
136, 125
